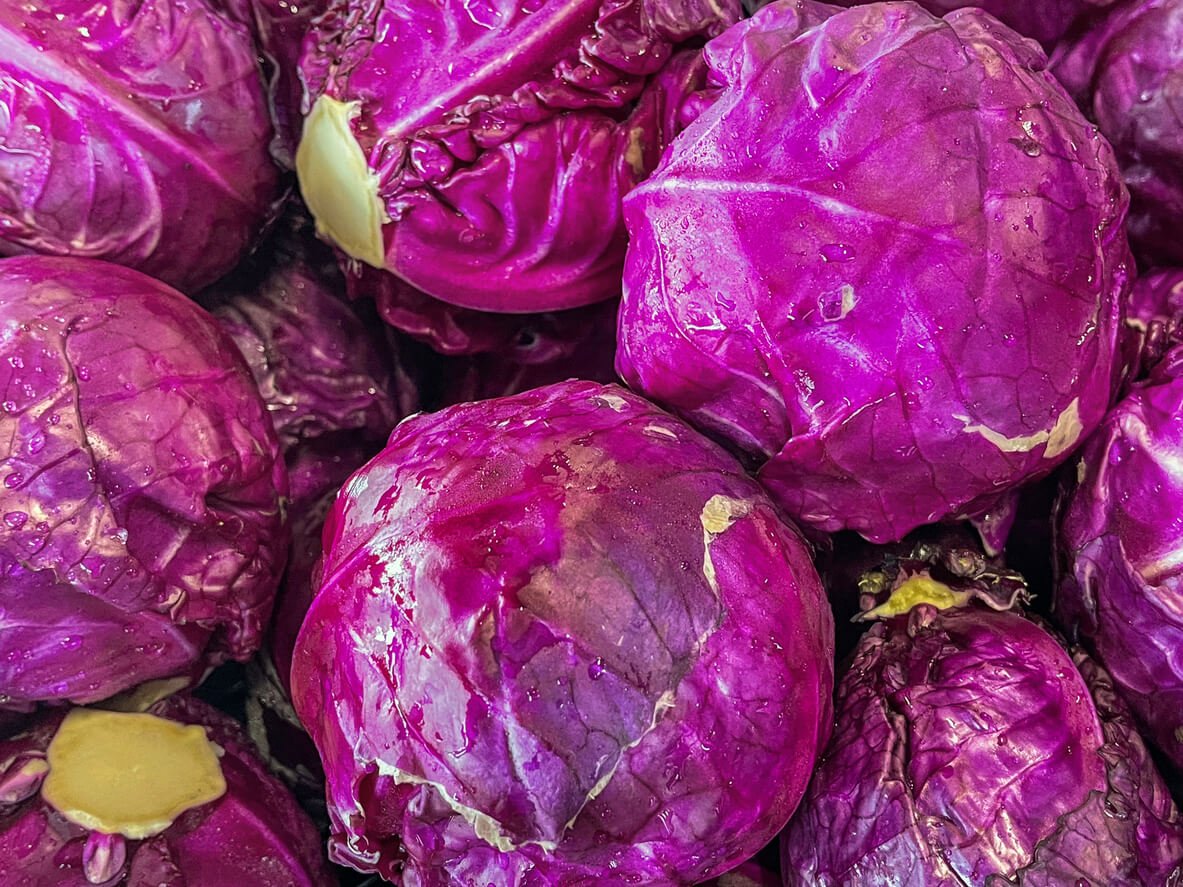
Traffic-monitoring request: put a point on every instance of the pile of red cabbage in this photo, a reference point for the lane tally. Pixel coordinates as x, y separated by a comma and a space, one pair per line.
591, 443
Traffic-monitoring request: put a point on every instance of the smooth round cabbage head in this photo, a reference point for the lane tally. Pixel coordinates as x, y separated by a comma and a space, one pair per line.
561, 639
970, 748
133, 131
1121, 552
493, 181
886, 265
1127, 73
141, 527
175, 795
1044, 20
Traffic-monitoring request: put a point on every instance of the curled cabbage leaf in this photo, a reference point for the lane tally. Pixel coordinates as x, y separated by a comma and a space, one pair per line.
584, 350
133, 131
1153, 321
887, 264
141, 525
560, 639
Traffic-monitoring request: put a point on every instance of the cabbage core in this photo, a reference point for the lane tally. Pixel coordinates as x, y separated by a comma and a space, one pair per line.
337, 183
129, 774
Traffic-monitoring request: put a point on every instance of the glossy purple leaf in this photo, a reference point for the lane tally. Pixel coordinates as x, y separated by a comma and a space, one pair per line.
141, 533
279, 28
585, 348
1154, 320
133, 131
887, 265
455, 332
558, 635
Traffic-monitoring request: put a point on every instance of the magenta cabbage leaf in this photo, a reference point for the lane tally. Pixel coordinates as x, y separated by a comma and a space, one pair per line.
887, 264
141, 527
1154, 320
328, 378
134, 131
279, 28
560, 635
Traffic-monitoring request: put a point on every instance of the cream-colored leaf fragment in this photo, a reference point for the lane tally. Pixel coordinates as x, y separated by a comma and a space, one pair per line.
129, 774
486, 827
337, 183
719, 513
1066, 432
664, 703
1060, 437
634, 152
913, 592
613, 401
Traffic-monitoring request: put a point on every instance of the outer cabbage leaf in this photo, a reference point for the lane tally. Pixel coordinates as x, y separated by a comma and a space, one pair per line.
254, 834
1121, 549
1046, 20
141, 533
134, 131
971, 749
560, 639
493, 182
1127, 73
896, 320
